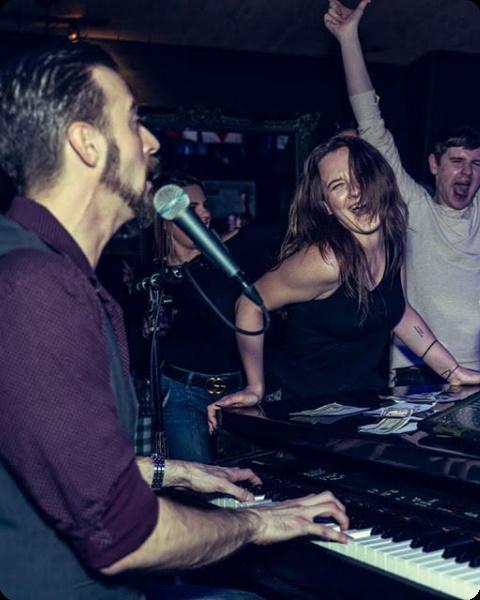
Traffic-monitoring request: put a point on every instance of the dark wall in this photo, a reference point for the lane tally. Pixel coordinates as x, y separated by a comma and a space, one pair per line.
243, 84
414, 99
256, 85
248, 83
443, 91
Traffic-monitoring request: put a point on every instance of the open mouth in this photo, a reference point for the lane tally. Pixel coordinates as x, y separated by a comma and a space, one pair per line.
461, 190
359, 209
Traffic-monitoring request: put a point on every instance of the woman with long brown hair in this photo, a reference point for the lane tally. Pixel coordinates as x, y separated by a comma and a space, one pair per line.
340, 282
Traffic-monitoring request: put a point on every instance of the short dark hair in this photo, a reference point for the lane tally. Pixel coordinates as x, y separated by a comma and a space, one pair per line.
460, 136
42, 92
339, 127
329, 128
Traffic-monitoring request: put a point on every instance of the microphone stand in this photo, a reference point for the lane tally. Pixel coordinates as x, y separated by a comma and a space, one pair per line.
157, 301
160, 441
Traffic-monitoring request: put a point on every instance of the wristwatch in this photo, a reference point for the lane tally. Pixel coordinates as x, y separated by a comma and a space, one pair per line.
158, 471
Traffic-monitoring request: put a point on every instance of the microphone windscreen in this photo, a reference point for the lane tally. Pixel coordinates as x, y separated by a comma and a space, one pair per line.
170, 201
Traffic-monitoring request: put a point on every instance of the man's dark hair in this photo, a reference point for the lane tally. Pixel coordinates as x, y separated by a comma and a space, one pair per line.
42, 92
462, 136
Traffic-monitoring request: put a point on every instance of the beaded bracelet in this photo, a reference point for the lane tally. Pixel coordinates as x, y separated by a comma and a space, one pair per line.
158, 471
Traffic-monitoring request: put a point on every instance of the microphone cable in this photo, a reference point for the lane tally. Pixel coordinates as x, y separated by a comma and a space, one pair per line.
265, 313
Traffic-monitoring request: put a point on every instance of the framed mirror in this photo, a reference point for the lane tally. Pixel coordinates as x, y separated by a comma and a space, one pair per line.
248, 164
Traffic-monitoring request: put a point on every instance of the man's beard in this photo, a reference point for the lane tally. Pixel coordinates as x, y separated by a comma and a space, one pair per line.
140, 202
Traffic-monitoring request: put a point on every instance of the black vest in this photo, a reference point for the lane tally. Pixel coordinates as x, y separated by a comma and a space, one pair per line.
35, 562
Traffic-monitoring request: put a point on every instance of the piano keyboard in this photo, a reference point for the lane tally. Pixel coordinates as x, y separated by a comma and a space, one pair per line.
434, 569
429, 569
442, 559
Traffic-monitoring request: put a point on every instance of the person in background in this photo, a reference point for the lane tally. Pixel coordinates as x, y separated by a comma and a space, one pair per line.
340, 280
443, 237
236, 220
80, 515
339, 127
200, 358
348, 127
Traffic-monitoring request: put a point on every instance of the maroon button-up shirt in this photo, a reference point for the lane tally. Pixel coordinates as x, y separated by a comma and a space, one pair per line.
59, 429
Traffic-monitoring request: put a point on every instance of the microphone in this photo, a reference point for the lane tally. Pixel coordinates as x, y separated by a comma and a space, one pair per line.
173, 204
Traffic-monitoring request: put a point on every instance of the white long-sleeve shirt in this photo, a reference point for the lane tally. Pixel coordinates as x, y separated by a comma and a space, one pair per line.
443, 252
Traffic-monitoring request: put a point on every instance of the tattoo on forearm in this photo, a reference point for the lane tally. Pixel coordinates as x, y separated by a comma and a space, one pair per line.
419, 330
449, 372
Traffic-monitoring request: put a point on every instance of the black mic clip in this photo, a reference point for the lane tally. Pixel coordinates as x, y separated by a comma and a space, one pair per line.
165, 276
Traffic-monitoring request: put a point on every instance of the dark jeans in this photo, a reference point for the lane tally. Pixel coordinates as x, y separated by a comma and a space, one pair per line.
195, 592
185, 420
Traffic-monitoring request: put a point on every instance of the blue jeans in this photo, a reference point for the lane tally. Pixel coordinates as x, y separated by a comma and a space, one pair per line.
185, 420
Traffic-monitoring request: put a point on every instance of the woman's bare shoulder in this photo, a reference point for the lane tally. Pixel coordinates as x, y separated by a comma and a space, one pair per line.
308, 268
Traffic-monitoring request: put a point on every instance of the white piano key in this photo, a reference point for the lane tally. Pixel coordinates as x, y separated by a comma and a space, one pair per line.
411, 564
358, 534
473, 577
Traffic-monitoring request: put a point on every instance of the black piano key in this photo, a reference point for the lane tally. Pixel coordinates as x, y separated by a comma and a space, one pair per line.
475, 561
456, 549
390, 531
404, 530
443, 541
361, 517
384, 523
430, 538
410, 531
356, 523
391, 525
469, 552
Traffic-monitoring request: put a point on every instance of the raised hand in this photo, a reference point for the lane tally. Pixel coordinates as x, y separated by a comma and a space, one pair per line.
340, 20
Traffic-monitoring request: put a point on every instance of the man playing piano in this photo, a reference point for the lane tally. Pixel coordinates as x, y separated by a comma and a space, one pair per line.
78, 516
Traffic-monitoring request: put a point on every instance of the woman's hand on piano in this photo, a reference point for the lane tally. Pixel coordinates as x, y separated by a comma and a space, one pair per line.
210, 478
295, 518
463, 376
243, 398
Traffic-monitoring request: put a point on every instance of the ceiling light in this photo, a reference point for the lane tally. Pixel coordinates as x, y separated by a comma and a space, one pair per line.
73, 33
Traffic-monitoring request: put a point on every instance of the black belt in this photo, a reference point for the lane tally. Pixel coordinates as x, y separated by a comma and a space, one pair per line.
212, 384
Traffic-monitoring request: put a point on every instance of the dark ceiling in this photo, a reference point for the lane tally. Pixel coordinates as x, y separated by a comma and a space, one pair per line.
394, 31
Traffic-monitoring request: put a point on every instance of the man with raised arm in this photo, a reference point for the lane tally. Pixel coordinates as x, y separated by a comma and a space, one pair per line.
79, 516
443, 241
